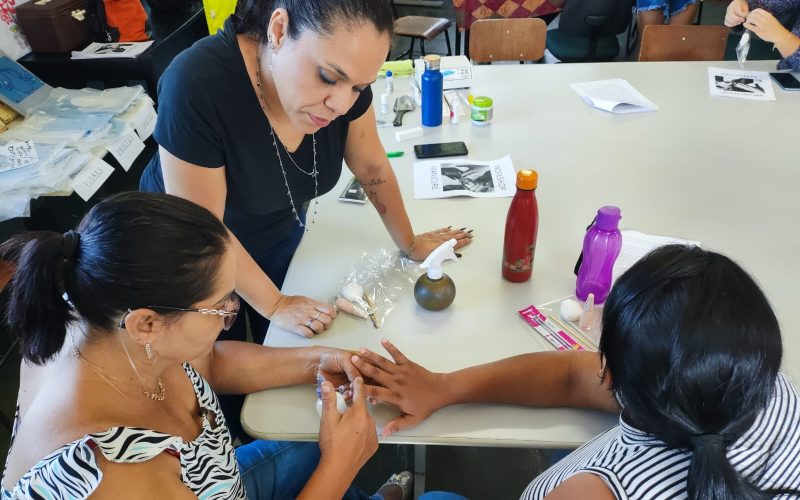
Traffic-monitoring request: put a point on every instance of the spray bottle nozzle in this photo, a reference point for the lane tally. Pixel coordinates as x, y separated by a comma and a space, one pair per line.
434, 261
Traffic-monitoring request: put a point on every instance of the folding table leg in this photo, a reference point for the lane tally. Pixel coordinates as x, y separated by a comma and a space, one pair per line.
419, 470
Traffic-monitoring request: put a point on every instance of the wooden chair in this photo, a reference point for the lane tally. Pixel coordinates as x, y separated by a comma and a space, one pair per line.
507, 40
420, 28
683, 43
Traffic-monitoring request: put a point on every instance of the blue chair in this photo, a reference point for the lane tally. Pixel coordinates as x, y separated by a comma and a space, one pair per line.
587, 30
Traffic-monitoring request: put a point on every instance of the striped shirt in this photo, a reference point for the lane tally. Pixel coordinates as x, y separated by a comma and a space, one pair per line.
634, 464
208, 464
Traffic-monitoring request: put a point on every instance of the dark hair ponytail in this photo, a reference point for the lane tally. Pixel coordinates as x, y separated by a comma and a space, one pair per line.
37, 312
131, 250
712, 477
693, 348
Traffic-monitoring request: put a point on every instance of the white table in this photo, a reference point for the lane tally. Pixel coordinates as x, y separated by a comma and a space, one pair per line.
719, 170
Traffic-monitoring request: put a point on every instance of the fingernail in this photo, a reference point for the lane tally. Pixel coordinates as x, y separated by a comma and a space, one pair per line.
458, 255
384, 341
355, 359
461, 228
470, 231
449, 227
363, 350
470, 236
326, 388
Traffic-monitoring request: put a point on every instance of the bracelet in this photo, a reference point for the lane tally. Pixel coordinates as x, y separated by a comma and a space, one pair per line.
411, 248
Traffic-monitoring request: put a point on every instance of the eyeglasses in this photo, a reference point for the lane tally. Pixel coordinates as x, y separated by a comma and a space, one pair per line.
230, 308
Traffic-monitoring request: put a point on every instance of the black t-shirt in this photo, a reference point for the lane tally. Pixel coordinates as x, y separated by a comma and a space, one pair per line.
209, 115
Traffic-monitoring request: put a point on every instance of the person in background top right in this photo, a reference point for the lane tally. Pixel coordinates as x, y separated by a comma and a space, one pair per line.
763, 22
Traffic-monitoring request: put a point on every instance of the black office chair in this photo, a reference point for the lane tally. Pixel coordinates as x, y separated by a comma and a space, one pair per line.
587, 30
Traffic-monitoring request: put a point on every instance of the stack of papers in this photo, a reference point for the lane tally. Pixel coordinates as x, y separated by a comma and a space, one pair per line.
108, 50
636, 245
614, 96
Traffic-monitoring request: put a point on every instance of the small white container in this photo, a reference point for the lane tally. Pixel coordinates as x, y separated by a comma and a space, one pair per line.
482, 111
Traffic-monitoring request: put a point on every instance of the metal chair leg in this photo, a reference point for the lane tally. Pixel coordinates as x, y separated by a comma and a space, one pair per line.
447, 39
422, 46
458, 41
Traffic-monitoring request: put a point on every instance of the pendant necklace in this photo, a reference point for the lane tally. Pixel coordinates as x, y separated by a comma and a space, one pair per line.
313, 173
155, 396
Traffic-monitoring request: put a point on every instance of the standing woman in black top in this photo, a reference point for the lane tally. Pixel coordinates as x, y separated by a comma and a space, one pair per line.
255, 121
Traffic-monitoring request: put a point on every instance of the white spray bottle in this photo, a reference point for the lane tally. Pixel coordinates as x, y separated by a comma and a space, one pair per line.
435, 290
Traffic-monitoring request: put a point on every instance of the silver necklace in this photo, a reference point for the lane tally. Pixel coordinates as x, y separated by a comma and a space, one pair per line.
314, 173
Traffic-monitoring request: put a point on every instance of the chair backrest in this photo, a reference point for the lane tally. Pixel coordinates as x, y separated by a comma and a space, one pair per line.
683, 43
493, 40
587, 18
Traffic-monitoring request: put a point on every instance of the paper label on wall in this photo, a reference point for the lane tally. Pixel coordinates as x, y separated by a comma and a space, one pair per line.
20, 154
89, 180
126, 149
144, 121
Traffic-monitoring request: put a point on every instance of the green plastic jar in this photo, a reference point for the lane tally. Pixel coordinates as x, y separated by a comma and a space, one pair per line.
482, 110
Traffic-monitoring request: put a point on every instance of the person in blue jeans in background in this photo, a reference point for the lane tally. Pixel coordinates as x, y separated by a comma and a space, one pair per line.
674, 12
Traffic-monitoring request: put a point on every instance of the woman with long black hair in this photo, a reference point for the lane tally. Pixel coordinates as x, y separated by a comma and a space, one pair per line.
689, 358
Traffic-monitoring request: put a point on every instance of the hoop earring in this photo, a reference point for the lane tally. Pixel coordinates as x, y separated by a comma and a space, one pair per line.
151, 355
601, 374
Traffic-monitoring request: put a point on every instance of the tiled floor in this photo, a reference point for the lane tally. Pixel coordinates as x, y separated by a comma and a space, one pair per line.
478, 473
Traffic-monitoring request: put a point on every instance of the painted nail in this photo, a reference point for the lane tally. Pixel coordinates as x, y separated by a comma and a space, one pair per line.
470, 231
449, 227
461, 228
458, 255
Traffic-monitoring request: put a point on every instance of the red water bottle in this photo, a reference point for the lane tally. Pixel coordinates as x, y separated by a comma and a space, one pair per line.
522, 225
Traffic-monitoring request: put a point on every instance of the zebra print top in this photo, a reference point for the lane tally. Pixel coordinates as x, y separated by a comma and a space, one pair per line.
208, 464
634, 464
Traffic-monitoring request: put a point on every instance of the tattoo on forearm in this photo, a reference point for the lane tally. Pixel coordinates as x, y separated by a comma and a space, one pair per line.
373, 197
372, 194
372, 183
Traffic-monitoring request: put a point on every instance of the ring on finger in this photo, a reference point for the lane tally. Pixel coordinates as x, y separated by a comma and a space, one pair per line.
310, 320
317, 316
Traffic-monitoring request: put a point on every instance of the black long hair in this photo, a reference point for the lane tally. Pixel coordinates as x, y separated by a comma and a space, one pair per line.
131, 250
318, 16
693, 349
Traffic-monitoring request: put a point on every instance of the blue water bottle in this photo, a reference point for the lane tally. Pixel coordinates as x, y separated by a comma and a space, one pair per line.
432, 92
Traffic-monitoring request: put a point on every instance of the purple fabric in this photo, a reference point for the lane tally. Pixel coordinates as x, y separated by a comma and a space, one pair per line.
783, 9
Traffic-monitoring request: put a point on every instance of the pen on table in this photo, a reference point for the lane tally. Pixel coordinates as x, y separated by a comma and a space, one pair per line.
394, 154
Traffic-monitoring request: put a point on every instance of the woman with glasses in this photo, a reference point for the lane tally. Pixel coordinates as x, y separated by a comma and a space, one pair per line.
689, 359
117, 323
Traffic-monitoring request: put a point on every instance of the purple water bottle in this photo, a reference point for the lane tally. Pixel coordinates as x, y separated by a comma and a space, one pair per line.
601, 246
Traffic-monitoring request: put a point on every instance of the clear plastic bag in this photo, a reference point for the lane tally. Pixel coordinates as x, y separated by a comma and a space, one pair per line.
377, 282
76, 103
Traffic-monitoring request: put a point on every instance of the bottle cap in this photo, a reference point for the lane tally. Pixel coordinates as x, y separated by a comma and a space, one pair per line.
608, 218
482, 101
527, 179
432, 61
388, 73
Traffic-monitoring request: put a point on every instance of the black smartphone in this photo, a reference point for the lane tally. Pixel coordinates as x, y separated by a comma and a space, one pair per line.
440, 150
787, 81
